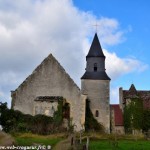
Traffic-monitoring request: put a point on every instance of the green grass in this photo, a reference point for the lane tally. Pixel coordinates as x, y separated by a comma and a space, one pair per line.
122, 145
97, 141
33, 139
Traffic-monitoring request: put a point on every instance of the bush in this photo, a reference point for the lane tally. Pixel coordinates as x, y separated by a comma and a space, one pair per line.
15, 121
146, 120
40, 124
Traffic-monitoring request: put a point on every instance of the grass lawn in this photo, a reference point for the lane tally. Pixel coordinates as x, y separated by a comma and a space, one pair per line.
122, 145
28, 139
97, 142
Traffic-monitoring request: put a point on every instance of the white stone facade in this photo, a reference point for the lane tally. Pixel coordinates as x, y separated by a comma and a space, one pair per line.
50, 79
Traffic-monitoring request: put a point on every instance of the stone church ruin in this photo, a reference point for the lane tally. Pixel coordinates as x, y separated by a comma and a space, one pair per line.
41, 92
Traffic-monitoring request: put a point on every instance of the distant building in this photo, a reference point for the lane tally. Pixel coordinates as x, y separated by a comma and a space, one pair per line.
125, 96
132, 96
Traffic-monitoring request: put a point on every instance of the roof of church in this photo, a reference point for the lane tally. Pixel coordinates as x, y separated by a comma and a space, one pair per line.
96, 75
95, 49
118, 115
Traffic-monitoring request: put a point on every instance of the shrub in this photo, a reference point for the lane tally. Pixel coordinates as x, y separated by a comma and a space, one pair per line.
135, 117
15, 121
40, 124
146, 120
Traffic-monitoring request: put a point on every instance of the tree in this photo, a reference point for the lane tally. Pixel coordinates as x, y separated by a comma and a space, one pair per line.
146, 120
133, 115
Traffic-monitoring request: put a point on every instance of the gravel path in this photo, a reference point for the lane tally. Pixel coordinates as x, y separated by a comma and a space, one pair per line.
6, 139
63, 145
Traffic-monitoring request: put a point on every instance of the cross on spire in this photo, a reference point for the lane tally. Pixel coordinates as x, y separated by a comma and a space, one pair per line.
96, 25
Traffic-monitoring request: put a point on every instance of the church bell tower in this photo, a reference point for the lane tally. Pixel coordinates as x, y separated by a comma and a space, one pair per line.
95, 83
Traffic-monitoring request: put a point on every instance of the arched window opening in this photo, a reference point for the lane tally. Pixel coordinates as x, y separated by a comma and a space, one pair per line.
95, 67
97, 113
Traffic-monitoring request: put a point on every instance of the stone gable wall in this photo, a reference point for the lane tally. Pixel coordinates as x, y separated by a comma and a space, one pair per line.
50, 79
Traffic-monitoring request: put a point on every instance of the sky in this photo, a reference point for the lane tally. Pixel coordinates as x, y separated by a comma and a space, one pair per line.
32, 29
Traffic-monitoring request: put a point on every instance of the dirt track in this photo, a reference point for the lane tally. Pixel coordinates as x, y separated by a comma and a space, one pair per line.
6, 139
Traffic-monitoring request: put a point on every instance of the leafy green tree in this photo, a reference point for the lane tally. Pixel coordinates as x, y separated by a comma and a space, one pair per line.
133, 115
127, 119
146, 120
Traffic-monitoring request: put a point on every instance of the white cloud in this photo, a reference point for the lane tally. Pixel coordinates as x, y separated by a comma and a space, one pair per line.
109, 31
116, 66
1, 94
30, 30
114, 95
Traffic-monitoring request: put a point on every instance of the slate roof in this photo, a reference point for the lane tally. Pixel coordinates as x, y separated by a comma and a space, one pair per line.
96, 75
118, 115
95, 49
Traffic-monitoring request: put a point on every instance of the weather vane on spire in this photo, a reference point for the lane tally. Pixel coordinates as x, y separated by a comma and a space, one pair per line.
96, 26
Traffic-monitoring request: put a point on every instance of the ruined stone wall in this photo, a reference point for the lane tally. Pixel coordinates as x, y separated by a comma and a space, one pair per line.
121, 98
98, 93
50, 79
45, 108
125, 96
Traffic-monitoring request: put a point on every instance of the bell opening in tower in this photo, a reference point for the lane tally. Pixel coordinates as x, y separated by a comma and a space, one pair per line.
95, 67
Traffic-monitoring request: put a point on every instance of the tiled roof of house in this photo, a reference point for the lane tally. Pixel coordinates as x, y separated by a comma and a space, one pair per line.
118, 115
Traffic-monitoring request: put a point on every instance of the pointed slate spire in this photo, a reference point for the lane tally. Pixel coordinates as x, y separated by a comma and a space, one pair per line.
95, 66
95, 49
